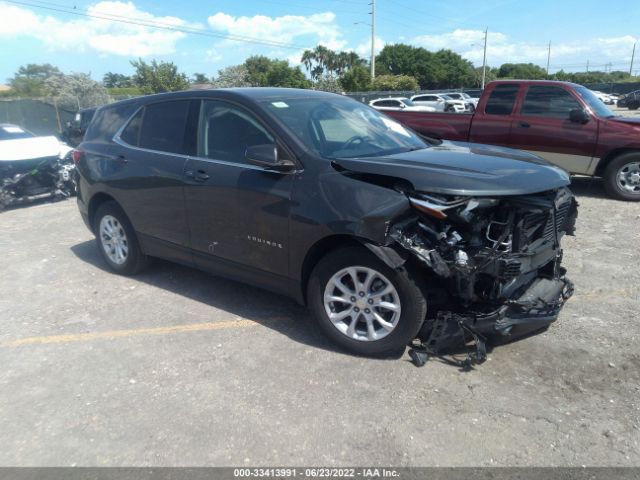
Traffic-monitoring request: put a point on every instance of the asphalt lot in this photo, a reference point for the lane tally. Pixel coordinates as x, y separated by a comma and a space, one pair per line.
175, 367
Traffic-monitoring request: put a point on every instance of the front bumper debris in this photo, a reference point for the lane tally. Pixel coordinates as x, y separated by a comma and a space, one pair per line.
450, 332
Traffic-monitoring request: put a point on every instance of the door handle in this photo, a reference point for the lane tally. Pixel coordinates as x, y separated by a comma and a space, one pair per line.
524, 125
199, 175
119, 158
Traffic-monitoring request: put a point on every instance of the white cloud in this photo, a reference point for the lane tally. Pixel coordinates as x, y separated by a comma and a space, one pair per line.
364, 49
288, 29
98, 34
501, 49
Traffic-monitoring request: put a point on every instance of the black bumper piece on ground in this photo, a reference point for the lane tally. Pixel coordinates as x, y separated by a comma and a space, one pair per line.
533, 311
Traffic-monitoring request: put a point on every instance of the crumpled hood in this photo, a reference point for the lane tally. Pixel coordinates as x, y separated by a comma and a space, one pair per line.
465, 169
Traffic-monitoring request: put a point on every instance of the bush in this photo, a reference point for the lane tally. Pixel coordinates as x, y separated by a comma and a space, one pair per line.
395, 82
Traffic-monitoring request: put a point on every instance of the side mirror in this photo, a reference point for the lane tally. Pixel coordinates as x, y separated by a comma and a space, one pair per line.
579, 115
402, 105
267, 156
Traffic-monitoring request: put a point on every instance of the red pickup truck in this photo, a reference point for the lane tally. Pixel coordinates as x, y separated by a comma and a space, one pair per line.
561, 122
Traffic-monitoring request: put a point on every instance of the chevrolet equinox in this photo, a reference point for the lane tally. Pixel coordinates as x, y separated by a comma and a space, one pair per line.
385, 235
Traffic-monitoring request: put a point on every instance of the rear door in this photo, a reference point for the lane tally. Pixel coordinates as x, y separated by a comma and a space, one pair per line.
542, 126
492, 124
238, 212
154, 148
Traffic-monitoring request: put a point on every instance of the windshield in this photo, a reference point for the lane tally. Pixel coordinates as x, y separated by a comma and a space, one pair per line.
408, 102
344, 128
594, 103
446, 97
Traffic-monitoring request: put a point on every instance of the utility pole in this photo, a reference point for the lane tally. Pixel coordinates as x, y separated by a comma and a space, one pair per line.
587, 66
548, 58
484, 58
633, 54
373, 39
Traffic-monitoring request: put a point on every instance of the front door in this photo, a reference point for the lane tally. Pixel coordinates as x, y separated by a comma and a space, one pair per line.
542, 126
238, 212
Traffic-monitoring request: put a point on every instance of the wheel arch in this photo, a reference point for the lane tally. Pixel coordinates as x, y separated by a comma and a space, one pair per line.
95, 202
390, 256
610, 156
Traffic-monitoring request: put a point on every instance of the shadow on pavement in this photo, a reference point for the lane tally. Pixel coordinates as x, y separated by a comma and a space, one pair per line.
276, 312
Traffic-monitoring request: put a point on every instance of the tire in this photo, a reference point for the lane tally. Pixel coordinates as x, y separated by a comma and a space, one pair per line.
629, 163
633, 105
408, 293
449, 109
134, 260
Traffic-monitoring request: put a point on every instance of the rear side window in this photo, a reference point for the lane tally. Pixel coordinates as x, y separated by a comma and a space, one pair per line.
547, 101
164, 127
502, 100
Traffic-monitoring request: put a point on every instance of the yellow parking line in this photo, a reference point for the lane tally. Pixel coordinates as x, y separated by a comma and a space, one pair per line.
84, 337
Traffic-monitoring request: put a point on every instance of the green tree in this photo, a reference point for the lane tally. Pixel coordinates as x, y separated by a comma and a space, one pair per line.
158, 77
116, 80
322, 61
265, 72
356, 79
395, 82
522, 71
199, 78
452, 71
29, 79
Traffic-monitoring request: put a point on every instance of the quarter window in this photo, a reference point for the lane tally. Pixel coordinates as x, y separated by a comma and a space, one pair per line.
225, 132
502, 100
546, 101
131, 134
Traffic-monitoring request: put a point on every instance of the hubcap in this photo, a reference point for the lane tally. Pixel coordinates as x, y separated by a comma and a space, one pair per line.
114, 239
362, 303
629, 178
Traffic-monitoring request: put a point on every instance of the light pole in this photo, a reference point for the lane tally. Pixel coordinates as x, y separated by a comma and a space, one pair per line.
548, 58
484, 58
633, 54
373, 39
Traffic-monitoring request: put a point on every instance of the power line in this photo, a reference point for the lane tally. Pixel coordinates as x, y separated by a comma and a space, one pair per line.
156, 24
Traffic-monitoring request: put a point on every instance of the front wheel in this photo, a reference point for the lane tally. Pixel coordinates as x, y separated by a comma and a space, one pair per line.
622, 177
117, 240
363, 305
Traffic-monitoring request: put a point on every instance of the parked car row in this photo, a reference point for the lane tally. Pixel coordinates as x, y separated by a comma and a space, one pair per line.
428, 102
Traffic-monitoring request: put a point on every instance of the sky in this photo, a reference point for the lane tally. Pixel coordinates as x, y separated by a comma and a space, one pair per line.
80, 36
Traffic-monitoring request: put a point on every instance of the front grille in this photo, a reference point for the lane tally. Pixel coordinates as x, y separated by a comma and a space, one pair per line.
539, 224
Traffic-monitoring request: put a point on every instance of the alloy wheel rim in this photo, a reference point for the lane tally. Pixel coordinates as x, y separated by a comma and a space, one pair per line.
628, 178
362, 303
114, 239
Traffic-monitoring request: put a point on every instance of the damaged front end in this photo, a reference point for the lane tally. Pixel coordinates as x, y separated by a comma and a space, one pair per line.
497, 265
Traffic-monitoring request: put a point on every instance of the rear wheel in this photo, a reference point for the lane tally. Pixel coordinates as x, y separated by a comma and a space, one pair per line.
117, 240
363, 305
622, 177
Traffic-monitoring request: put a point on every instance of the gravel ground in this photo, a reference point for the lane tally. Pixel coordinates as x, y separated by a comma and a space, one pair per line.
175, 367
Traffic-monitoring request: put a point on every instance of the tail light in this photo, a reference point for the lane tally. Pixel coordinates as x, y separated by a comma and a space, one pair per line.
76, 155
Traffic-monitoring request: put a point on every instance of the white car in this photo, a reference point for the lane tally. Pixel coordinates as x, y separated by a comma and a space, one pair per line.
442, 103
399, 103
470, 103
606, 98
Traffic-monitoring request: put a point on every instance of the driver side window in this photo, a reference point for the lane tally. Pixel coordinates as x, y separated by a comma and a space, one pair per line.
225, 131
